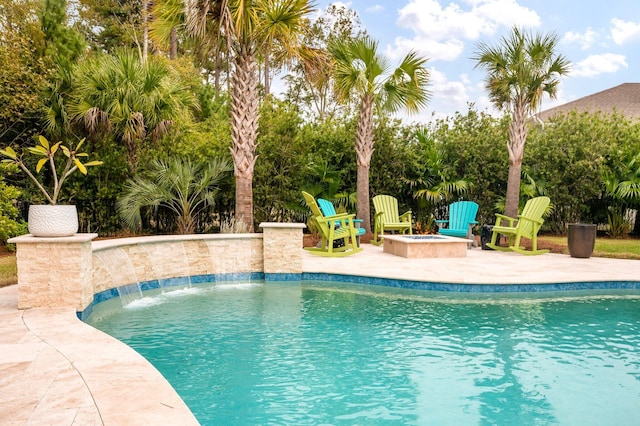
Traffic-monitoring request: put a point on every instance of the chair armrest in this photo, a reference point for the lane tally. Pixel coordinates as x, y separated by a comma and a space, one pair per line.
441, 221
405, 217
338, 218
538, 221
500, 217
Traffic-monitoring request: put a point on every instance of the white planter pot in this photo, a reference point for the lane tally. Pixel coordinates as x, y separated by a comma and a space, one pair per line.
52, 221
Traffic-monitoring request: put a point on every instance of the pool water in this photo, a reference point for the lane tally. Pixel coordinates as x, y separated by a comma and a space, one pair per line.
326, 353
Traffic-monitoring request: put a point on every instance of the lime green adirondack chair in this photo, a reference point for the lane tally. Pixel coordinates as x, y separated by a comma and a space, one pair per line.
462, 216
388, 219
328, 209
528, 226
331, 229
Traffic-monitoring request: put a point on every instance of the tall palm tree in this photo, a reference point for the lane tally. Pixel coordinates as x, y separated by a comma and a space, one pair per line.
520, 71
361, 71
246, 25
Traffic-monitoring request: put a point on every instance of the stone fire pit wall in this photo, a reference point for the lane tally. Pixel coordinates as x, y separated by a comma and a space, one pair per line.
68, 271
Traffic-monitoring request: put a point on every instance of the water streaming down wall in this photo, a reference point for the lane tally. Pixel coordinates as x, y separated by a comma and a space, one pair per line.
169, 271
120, 269
176, 262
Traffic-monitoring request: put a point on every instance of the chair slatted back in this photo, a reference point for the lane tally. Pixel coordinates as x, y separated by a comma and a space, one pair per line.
327, 207
533, 209
461, 214
389, 206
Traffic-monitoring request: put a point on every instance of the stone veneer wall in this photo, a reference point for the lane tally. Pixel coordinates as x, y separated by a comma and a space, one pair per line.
69, 271
54, 271
130, 260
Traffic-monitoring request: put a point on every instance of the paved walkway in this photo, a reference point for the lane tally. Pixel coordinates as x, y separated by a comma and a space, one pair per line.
56, 370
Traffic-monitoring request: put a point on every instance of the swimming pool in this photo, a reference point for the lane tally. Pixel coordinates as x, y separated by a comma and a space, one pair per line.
332, 353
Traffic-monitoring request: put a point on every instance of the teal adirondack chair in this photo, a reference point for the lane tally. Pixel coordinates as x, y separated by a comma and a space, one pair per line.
388, 219
332, 229
462, 217
328, 209
527, 226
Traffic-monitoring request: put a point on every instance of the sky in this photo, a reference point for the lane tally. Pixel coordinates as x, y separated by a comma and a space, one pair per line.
600, 38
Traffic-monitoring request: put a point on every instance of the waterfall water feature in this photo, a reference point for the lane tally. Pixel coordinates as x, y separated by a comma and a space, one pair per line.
172, 272
121, 271
233, 266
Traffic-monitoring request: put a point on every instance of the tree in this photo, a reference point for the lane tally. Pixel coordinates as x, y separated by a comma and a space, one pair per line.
519, 72
245, 29
24, 71
111, 24
309, 85
61, 42
122, 96
439, 177
360, 70
183, 187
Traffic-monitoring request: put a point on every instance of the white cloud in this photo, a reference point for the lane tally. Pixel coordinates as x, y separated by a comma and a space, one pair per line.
451, 94
446, 50
438, 28
585, 39
624, 31
594, 65
375, 8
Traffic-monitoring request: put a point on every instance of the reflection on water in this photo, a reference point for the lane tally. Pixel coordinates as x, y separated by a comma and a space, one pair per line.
282, 353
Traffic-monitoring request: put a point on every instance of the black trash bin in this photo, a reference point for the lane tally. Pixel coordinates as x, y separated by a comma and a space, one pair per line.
485, 236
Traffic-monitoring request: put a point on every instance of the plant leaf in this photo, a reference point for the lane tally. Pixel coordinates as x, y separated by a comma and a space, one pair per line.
9, 152
66, 151
55, 147
44, 142
82, 154
93, 163
38, 150
80, 144
80, 166
41, 163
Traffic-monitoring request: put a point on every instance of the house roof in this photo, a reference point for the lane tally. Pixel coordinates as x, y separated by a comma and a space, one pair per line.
625, 99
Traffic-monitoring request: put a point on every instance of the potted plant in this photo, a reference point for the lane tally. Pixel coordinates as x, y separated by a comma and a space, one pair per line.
52, 220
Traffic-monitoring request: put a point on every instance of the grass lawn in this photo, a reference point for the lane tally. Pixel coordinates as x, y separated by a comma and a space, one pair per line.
628, 248
8, 270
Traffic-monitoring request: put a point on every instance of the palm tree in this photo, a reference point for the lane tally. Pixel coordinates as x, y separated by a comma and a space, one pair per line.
519, 72
130, 99
181, 186
247, 26
359, 70
622, 189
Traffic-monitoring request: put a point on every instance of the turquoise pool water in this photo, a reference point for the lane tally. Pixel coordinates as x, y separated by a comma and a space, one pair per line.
328, 353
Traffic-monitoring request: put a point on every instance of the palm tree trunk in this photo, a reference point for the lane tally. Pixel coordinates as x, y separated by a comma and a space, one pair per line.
364, 150
513, 189
244, 132
517, 139
173, 43
244, 192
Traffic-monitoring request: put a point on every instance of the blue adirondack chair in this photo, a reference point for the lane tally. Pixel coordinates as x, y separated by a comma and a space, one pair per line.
332, 229
462, 217
329, 210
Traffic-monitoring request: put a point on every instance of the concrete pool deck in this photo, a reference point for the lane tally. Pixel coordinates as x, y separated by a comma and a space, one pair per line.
55, 369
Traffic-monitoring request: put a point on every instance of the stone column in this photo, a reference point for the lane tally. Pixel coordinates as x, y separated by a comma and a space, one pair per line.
54, 272
282, 247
